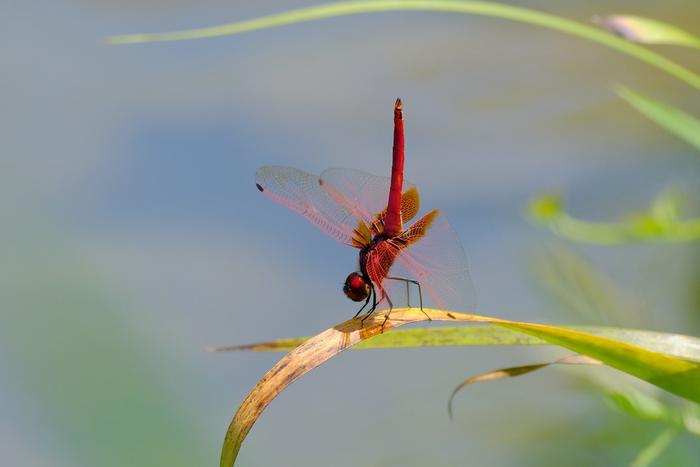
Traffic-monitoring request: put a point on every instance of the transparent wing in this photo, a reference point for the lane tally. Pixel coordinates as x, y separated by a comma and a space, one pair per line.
368, 194
433, 256
305, 194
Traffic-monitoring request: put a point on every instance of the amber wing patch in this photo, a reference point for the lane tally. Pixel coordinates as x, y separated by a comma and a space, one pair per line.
361, 236
419, 228
410, 204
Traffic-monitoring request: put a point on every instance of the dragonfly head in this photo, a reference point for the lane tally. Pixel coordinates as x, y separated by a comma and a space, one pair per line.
356, 287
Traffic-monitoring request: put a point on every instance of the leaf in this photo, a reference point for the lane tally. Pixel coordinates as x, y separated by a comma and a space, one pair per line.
497, 10
425, 337
640, 405
673, 344
681, 124
647, 31
644, 406
517, 371
679, 376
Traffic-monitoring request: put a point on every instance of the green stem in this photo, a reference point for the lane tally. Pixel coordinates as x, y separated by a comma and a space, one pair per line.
496, 10
624, 232
650, 453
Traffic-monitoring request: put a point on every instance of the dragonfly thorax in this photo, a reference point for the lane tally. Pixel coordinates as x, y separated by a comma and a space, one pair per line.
356, 287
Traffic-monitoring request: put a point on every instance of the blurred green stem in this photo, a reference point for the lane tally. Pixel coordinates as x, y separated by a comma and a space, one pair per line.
659, 224
650, 453
496, 10
636, 230
676, 121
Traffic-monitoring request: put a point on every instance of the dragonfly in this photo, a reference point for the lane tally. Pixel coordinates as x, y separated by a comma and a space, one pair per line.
370, 213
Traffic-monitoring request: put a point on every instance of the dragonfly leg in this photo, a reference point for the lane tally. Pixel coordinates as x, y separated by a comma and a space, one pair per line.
363, 306
391, 307
408, 294
373, 294
420, 292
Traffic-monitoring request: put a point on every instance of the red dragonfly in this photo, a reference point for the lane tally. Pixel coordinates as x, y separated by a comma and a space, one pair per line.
350, 206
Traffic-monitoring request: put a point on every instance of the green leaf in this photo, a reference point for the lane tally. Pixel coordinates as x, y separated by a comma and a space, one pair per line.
681, 124
647, 31
677, 375
646, 406
640, 405
513, 13
425, 337
448, 336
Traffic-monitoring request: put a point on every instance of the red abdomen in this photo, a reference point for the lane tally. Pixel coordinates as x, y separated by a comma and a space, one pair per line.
393, 224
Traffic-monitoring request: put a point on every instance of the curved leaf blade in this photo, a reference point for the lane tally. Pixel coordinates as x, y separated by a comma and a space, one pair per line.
514, 371
679, 376
420, 337
677, 345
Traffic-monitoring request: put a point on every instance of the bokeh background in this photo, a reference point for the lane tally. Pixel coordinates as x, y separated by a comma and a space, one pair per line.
133, 236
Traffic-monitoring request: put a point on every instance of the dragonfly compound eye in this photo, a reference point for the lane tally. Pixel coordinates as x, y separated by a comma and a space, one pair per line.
356, 287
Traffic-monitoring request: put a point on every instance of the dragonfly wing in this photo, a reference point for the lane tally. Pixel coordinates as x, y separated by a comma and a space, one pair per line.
368, 194
304, 194
434, 257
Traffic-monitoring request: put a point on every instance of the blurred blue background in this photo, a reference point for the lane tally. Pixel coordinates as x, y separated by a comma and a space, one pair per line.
133, 236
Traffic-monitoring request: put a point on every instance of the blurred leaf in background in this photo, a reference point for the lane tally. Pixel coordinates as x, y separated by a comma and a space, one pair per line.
663, 425
647, 30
